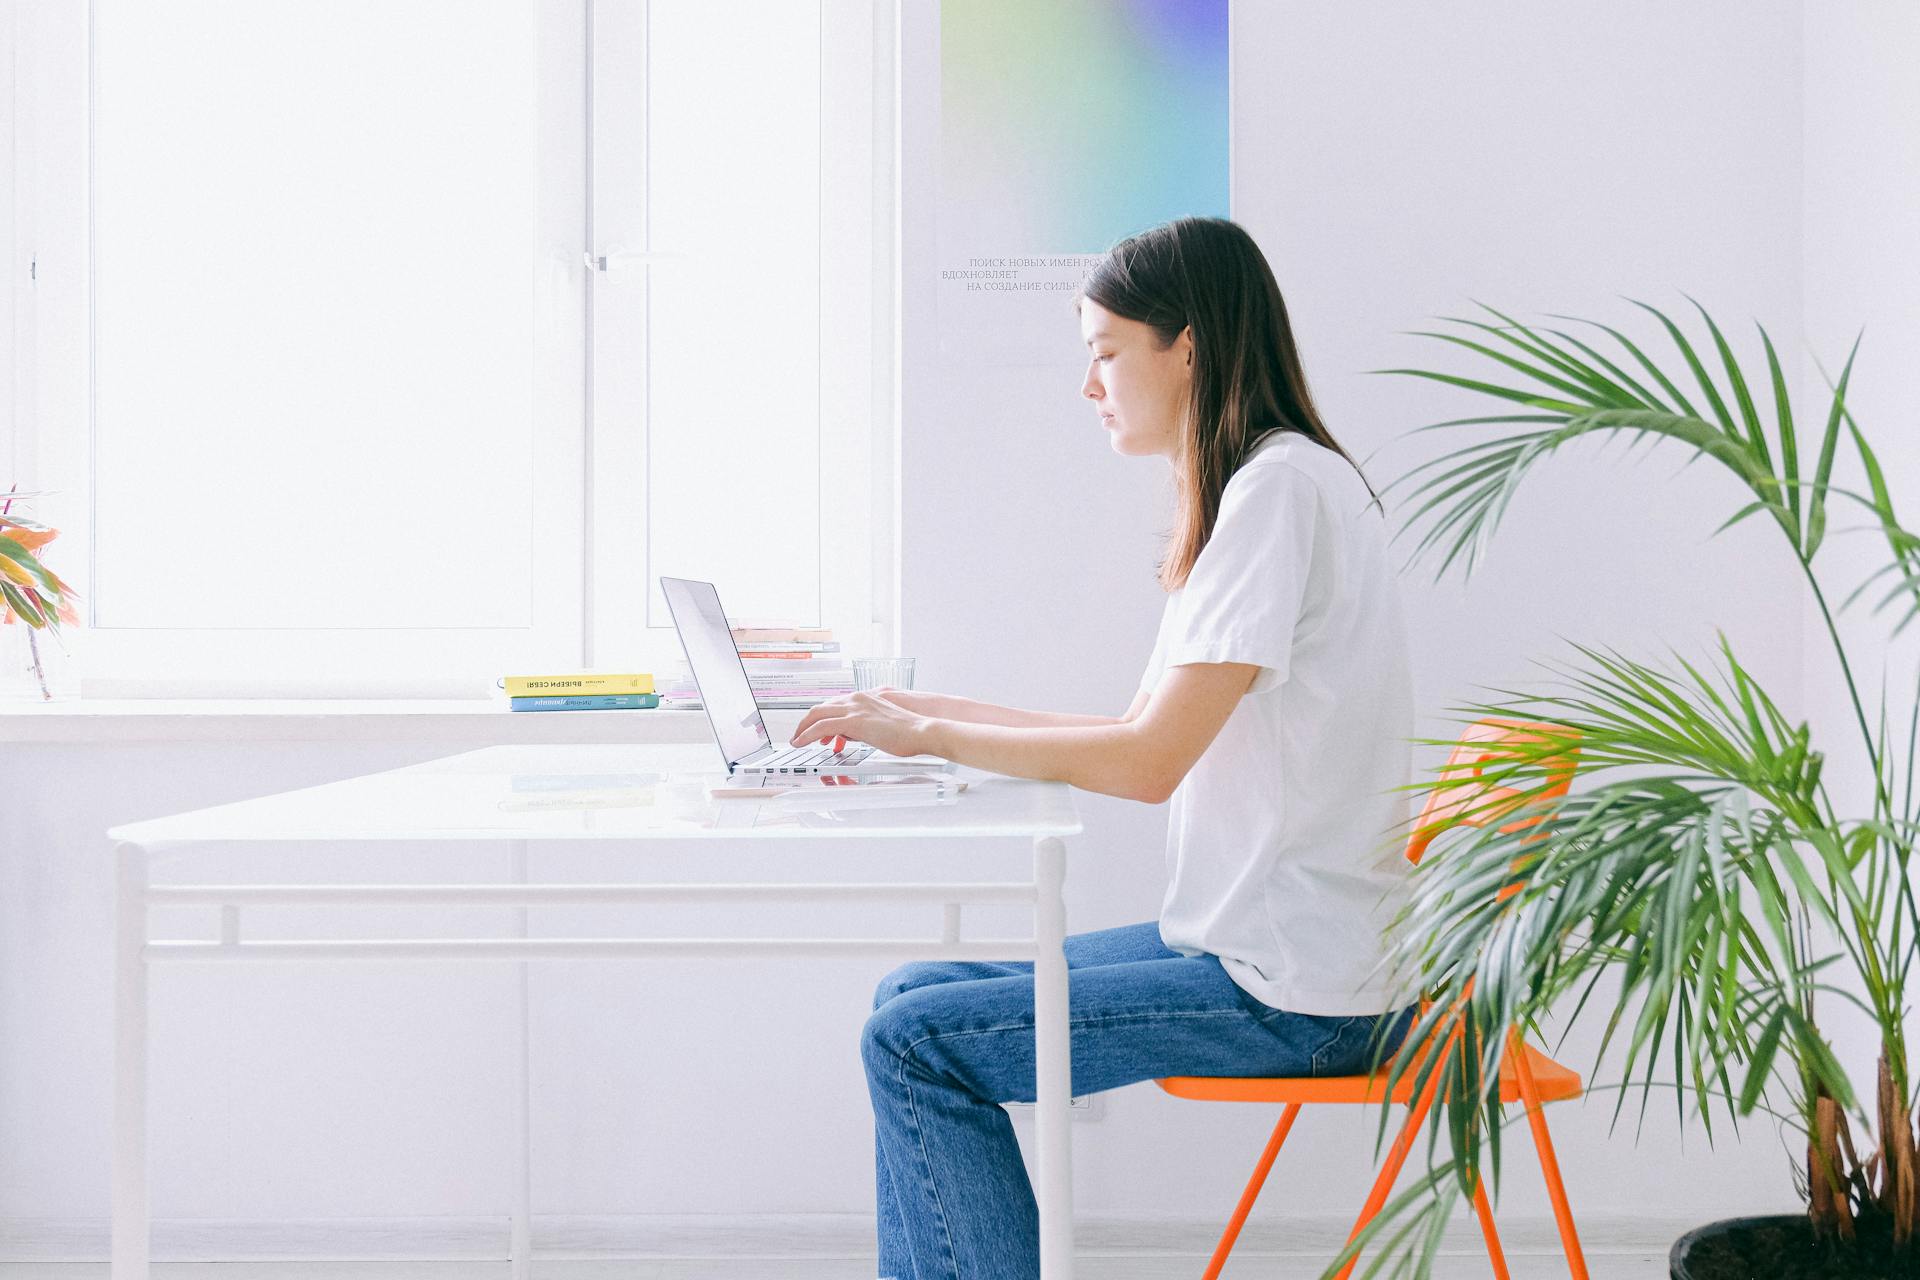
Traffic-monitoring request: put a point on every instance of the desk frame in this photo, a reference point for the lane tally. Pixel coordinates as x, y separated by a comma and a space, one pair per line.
134, 953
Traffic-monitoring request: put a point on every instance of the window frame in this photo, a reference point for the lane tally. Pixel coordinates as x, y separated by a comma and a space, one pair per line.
858, 60
585, 623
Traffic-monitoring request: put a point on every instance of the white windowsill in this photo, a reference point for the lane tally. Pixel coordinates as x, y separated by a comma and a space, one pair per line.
464, 723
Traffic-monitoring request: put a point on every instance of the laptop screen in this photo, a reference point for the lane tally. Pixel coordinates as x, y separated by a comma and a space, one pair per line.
717, 670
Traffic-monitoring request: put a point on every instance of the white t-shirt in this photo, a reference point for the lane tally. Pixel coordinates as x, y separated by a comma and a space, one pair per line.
1285, 841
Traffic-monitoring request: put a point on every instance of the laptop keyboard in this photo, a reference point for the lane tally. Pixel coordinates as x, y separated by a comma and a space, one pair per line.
804, 757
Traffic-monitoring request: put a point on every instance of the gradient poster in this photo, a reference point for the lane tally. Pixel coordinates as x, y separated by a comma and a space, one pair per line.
1065, 126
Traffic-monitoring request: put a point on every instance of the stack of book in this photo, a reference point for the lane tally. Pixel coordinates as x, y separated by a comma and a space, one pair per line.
585, 691
794, 667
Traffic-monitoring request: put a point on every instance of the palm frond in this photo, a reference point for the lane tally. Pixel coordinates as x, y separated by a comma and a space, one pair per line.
1817, 510
1579, 392
1680, 865
1700, 860
1904, 544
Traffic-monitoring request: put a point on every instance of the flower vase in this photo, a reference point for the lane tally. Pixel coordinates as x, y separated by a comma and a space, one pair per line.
37, 664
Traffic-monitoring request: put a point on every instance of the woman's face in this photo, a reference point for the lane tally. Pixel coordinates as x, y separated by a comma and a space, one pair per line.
1139, 389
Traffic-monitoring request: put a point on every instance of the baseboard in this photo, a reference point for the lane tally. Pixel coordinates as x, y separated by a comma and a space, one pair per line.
721, 1236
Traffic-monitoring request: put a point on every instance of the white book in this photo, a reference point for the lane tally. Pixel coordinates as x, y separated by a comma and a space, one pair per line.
799, 680
780, 680
755, 666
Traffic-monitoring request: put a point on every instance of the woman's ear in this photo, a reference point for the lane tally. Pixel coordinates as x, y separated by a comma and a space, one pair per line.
1186, 340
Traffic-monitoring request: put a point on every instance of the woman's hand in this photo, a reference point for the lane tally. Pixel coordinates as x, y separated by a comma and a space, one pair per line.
877, 717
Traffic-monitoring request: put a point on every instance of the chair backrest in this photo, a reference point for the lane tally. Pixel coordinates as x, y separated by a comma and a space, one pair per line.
1485, 741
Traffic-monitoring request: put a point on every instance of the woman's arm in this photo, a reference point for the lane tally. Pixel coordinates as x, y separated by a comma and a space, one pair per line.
948, 706
1114, 759
1141, 758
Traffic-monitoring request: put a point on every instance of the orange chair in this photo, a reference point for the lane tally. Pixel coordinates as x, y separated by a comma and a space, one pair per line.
1526, 1075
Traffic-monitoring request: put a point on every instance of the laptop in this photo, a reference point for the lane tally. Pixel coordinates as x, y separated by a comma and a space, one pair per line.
727, 697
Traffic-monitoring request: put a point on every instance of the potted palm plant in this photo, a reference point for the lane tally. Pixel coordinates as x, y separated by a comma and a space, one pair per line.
1699, 857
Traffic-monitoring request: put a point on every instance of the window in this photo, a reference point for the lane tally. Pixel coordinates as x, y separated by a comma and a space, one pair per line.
15, 264
747, 256
424, 338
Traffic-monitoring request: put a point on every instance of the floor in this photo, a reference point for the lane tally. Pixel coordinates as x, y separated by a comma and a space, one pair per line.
1264, 1266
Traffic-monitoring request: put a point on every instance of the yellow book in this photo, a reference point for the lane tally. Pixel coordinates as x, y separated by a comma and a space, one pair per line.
586, 682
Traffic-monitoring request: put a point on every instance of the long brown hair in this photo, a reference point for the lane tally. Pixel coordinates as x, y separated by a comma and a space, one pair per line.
1247, 379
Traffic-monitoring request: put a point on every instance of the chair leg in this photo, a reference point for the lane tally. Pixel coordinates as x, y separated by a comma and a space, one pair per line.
1252, 1192
1550, 1167
1383, 1184
1485, 1212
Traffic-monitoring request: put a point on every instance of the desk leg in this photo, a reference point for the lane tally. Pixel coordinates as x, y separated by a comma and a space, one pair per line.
521, 1249
1053, 1087
130, 1205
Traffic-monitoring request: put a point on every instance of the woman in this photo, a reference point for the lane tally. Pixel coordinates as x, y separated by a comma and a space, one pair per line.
1275, 713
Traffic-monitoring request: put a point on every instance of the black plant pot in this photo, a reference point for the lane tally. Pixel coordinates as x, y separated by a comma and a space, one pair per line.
1784, 1248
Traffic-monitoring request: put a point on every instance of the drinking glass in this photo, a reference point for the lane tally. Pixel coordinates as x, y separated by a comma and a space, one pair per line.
882, 673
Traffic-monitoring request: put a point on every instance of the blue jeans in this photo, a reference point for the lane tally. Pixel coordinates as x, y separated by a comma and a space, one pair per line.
949, 1041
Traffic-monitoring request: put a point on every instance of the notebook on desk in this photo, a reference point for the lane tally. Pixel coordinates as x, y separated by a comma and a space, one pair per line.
727, 698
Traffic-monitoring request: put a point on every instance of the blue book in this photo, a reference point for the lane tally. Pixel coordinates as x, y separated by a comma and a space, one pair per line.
587, 702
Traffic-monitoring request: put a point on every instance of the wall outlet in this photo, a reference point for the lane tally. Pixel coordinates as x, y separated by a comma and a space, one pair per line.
1091, 1107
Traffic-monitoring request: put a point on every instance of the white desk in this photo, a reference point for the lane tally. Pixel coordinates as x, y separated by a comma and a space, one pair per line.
520, 794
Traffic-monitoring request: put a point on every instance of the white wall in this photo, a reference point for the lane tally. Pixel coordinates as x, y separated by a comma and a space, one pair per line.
1394, 161
1862, 197
1861, 188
